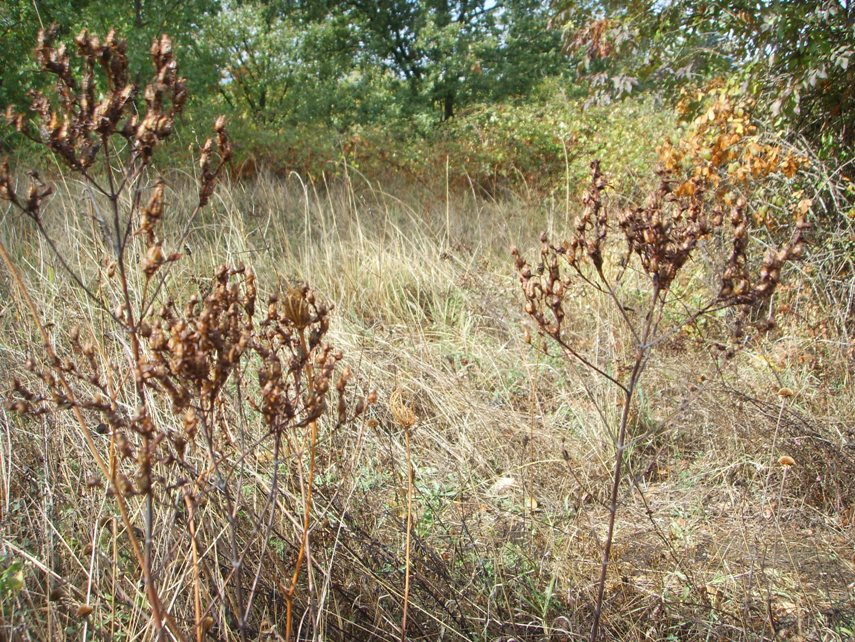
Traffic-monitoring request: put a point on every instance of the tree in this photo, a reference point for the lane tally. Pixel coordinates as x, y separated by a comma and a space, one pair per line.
20, 20
279, 66
794, 55
450, 53
142, 20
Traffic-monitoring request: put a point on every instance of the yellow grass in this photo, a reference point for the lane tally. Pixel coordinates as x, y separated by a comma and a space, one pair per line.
715, 539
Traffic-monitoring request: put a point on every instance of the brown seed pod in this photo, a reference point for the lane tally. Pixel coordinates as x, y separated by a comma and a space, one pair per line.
295, 307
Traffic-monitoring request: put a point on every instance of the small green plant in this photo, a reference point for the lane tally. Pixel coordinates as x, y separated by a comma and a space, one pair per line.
656, 242
11, 579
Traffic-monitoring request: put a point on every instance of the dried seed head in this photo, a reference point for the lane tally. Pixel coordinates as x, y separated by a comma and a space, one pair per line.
295, 307
786, 461
403, 414
153, 260
152, 213
592, 225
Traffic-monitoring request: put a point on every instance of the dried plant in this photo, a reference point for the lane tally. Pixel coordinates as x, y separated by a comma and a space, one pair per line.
655, 243
406, 418
214, 361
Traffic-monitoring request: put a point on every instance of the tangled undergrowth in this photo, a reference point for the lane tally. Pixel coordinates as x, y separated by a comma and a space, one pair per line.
181, 460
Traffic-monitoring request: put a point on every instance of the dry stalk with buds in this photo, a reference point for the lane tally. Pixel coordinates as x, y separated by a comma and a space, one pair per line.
660, 238
212, 360
406, 418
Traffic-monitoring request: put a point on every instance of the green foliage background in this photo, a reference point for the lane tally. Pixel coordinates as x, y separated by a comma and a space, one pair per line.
505, 92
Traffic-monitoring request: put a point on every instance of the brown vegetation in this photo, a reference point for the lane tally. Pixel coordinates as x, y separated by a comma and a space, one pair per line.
182, 461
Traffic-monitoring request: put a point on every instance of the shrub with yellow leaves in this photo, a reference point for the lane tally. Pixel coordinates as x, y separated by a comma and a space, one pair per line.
705, 183
723, 152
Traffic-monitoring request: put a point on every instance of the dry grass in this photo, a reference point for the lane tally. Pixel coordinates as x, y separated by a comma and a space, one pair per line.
511, 463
